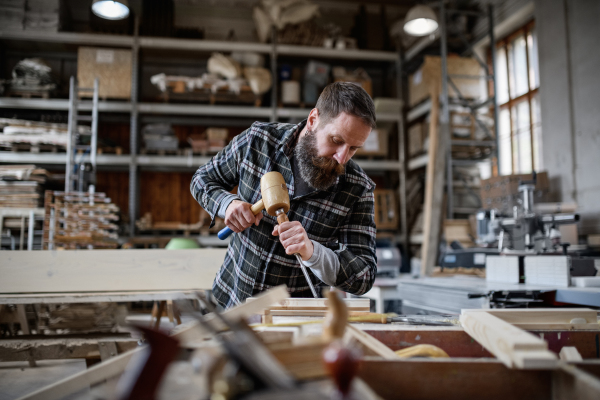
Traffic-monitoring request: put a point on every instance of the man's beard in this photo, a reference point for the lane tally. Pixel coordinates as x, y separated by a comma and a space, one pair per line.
319, 172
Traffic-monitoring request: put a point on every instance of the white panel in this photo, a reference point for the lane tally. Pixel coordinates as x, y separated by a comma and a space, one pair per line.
548, 270
503, 269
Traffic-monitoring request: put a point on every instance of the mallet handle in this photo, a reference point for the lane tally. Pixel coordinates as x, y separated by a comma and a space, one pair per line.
256, 208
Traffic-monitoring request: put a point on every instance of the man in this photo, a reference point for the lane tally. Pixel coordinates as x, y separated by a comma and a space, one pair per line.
331, 213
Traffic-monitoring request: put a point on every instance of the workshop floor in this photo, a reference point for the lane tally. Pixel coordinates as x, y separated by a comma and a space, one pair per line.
18, 378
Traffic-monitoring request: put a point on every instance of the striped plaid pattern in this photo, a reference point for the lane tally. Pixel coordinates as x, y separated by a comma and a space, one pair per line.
341, 218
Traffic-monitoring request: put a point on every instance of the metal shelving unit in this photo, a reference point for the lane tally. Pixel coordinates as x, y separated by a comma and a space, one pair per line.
138, 110
424, 108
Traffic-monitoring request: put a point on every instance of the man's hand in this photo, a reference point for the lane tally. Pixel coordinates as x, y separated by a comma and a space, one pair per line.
238, 216
294, 239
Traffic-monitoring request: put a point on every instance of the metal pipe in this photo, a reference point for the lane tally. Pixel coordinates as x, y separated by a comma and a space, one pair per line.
445, 114
30, 231
494, 97
71, 122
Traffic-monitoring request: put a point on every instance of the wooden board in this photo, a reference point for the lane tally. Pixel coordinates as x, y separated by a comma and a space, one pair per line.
541, 316
511, 345
108, 270
434, 190
368, 341
362, 304
454, 379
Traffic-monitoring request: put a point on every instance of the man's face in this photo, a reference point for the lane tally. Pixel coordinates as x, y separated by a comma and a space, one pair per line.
324, 150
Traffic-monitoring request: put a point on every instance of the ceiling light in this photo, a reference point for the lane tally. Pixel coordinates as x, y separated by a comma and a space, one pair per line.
109, 9
420, 21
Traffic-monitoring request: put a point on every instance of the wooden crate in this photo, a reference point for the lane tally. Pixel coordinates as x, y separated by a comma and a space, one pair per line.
386, 209
111, 66
429, 78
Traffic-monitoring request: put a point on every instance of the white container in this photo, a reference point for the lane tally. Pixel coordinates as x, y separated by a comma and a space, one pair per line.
290, 92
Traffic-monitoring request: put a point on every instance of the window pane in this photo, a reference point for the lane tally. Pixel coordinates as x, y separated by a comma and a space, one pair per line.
504, 139
537, 134
501, 76
517, 58
534, 75
521, 138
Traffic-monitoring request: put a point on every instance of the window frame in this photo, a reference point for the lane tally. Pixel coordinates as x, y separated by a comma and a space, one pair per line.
529, 95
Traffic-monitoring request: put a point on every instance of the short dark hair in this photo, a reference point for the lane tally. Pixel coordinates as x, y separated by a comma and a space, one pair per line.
348, 97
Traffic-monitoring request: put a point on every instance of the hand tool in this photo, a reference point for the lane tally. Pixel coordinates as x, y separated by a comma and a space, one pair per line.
276, 200
433, 320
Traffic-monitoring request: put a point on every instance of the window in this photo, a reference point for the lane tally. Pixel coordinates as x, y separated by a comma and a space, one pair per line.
517, 82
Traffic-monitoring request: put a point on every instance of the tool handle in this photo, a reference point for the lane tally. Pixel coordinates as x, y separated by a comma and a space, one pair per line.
372, 318
256, 208
224, 233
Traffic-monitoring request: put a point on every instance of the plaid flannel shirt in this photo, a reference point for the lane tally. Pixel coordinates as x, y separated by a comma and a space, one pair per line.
341, 218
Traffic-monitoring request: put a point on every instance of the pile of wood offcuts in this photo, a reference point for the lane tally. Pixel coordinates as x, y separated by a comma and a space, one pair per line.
80, 220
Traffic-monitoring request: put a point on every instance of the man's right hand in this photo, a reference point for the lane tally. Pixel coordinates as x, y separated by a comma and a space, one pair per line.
238, 216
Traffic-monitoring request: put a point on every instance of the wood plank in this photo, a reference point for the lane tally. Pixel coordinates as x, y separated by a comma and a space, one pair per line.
117, 365
434, 189
454, 379
569, 383
308, 304
370, 342
96, 297
108, 270
511, 345
193, 332
532, 316
311, 313
570, 354
58, 348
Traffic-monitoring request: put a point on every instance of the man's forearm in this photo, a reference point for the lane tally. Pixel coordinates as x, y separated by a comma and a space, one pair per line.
324, 263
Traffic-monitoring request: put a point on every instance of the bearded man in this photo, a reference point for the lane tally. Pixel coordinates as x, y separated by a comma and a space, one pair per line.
331, 212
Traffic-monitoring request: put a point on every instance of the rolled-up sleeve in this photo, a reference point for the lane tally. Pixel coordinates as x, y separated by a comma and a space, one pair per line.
356, 252
212, 183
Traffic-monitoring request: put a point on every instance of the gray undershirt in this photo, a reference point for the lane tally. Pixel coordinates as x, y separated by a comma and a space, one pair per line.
324, 262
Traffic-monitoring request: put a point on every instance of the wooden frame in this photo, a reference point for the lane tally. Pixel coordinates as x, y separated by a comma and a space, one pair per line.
495, 331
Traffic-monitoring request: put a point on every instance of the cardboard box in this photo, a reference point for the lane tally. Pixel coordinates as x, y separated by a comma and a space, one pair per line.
359, 76
416, 136
502, 192
111, 66
376, 144
425, 80
386, 209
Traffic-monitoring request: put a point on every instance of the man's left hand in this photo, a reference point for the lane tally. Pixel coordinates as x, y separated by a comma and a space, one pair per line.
294, 239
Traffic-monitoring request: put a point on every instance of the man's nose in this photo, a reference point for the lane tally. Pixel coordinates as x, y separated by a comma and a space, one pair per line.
342, 155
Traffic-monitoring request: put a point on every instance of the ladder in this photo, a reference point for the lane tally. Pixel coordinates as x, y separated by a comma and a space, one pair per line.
81, 158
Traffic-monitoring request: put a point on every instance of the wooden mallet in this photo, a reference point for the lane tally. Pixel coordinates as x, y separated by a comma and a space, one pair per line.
276, 200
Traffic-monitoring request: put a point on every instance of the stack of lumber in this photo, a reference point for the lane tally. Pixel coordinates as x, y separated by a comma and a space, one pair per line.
21, 185
34, 133
76, 220
77, 317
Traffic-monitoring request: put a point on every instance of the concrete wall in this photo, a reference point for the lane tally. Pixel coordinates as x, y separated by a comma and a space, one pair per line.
569, 59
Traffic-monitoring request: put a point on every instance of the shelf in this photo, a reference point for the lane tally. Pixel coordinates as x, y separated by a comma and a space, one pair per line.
145, 160
418, 162
418, 111
63, 104
202, 45
204, 109
196, 45
307, 51
379, 165
59, 158
69, 38
171, 161
169, 108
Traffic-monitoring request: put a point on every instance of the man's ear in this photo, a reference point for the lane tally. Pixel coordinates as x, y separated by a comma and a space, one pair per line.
313, 119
